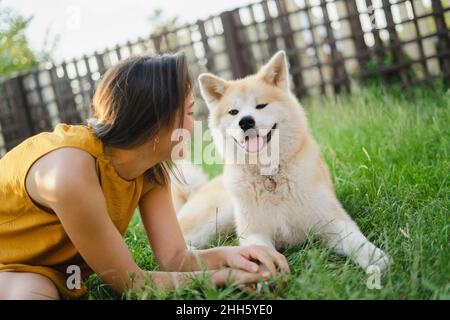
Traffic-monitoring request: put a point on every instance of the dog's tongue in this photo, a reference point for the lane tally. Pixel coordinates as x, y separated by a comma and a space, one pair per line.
253, 144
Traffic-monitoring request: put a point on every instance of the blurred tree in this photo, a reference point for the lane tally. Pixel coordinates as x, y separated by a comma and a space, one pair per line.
15, 52
49, 45
159, 22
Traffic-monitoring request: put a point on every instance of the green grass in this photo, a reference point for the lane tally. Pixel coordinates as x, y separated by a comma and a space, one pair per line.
388, 153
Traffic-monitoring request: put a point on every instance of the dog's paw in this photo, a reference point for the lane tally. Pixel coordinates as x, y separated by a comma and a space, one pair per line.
377, 259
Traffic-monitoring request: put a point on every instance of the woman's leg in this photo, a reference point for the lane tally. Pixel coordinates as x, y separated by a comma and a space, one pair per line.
26, 286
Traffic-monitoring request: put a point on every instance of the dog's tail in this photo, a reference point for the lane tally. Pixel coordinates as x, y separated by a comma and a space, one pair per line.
194, 178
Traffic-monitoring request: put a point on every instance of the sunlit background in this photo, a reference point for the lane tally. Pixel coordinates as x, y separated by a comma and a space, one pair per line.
52, 53
84, 26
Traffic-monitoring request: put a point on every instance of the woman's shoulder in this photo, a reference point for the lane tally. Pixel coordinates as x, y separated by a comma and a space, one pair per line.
80, 136
60, 171
63, 135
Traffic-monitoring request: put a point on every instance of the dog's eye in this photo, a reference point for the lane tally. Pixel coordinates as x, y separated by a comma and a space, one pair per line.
261, 106
233, 112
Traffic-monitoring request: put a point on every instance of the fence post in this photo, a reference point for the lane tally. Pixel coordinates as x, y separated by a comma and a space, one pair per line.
269, 27
89, 75
443, 44
4, 115
396, 47
208, 53
291, 49
238, 53
156, 39
39, 112
64, 97
419, 35
379, 49
118, 53
362, 51
15, 98
100, 63
339, 72
316, 45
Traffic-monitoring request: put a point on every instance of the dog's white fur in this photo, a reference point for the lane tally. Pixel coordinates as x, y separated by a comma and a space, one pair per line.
304, 199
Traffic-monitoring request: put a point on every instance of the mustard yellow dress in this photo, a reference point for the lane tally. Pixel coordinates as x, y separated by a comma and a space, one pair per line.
33, 239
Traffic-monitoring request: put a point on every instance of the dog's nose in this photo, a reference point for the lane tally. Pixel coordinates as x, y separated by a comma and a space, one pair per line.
246, 123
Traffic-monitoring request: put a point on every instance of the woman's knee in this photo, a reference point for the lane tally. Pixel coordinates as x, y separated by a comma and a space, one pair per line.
26, 286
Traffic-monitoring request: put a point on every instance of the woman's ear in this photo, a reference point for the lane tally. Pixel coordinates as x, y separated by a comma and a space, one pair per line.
276, 72
212, 88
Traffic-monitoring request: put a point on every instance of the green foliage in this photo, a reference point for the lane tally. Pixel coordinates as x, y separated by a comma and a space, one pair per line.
15, 52
392, 77
160, 23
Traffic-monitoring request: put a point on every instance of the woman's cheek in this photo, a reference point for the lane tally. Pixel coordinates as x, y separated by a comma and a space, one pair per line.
188, 124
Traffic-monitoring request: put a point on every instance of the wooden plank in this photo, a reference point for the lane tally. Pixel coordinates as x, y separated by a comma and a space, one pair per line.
339, 71
290, 47
443, 44
238, 53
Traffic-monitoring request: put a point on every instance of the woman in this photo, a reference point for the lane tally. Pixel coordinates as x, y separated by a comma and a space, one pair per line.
67, 196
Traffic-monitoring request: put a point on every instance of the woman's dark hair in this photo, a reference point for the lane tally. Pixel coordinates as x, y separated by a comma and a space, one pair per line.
138, 97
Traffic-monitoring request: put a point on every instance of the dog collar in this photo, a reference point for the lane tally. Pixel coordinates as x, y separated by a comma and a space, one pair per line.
270, 184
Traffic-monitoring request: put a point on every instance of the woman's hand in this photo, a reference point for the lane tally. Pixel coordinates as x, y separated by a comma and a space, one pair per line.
237, 276
246, 258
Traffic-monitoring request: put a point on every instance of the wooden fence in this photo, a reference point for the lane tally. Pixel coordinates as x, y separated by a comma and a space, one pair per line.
329, 44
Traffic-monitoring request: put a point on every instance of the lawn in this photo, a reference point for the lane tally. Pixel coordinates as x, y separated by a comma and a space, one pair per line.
388, 152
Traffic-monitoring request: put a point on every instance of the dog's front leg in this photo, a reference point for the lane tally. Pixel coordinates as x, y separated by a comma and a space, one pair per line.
344, 236
251, 228
256, 238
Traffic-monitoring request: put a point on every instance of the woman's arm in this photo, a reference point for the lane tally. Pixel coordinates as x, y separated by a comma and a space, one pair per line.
165, 236
66, 182
169, 246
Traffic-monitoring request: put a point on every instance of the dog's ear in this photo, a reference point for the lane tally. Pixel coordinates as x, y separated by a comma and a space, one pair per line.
276, 72
212, 87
